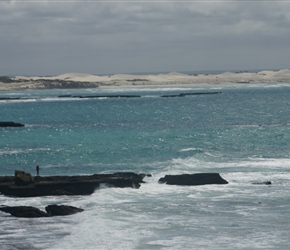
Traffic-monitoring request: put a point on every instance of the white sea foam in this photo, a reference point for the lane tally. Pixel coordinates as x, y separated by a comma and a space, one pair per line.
160, 215
18, 101
241, 172
148, 218
62, 99
15, 151
191, 149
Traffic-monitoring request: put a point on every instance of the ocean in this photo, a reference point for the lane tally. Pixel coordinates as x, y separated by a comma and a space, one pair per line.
243, 133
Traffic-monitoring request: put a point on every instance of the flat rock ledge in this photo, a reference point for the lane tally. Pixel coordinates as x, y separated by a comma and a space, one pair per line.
11, 124
193, 179
33, 212
25, 185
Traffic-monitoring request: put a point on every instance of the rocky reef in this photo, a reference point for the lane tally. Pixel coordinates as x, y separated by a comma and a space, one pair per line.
23, 184
11, 124
33, 212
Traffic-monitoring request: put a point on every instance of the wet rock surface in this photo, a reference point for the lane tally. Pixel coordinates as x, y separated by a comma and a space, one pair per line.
21, 185
193, 179
33, 212
263, 183
11, 124
59, 210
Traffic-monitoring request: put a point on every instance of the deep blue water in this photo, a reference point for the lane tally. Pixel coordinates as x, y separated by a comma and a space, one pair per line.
243, 133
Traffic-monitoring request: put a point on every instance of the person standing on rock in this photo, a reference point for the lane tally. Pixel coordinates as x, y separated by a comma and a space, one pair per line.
37, 170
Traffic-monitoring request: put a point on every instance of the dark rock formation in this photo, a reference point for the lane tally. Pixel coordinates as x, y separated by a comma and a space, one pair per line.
135, 96
263, 183
193, 179
67, 185
109, 96
22, 178
33, 212
6, 180
99, 96
9, 98
11, 124
194, 93
64, 84
57, 210
24, 211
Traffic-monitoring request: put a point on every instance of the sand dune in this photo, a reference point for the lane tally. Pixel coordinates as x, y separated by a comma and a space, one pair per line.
78, 80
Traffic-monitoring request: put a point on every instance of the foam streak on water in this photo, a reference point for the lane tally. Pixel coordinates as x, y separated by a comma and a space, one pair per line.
243, 134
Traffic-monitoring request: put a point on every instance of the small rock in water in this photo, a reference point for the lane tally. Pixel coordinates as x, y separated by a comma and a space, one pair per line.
11, 124
263, 183
23, 211
57, 210
193, 179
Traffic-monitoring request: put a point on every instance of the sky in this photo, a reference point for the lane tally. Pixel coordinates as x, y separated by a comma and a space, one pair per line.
53, 37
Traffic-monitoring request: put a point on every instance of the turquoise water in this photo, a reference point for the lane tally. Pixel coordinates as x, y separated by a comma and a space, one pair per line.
86, 136
242, 133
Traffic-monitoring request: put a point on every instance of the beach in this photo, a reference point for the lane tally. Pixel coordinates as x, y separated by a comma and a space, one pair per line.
79, 80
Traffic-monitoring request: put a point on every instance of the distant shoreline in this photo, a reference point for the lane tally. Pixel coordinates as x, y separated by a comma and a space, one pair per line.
78, 80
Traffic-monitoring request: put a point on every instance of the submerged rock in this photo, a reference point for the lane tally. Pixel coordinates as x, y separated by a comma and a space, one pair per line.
100, 96
263, 183
193, 179
194, 93
11, 124
33, 212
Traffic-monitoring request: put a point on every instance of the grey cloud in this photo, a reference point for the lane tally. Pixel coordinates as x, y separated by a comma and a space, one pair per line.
99, 37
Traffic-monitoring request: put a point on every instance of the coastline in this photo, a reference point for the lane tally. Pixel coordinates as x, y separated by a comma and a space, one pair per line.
78, 80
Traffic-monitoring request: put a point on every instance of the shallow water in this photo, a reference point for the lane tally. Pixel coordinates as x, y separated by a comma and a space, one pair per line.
242, 133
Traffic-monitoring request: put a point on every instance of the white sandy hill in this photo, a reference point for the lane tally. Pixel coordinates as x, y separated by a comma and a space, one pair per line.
76, 77
282, 74
120, 79
79, 77
170, 78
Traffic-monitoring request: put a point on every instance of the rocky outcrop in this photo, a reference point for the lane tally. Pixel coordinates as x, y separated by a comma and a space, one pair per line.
194, 93
58, 210
24, 211
33, 212
22, 178
66, 185
193, 179
99, 96
135, 96
11, 124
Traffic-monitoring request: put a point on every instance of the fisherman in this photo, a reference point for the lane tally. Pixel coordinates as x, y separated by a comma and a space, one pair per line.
37, 170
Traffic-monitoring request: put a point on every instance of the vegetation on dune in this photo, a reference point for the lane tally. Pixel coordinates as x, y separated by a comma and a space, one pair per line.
6, 79
51, 83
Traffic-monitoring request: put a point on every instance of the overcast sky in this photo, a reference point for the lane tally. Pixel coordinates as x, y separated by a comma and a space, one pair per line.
106, 37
